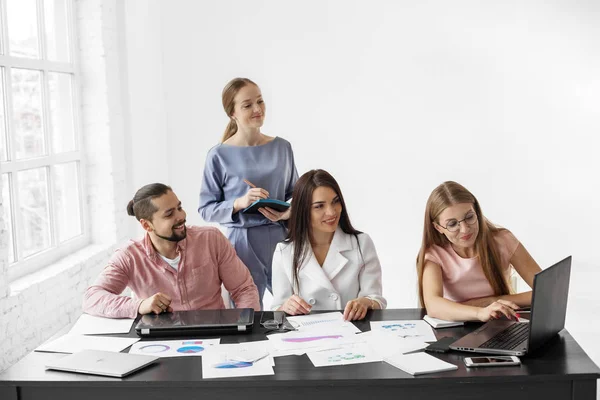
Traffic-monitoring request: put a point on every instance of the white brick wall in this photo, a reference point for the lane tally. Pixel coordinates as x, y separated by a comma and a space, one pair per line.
35, 307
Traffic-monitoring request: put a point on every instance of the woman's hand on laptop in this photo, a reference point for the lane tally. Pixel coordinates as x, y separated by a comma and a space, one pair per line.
156, 304
498, 309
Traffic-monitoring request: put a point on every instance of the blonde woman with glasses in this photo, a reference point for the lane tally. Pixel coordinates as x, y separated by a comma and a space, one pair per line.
465, 261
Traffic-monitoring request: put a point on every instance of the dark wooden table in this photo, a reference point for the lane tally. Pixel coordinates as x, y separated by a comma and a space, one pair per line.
559, 370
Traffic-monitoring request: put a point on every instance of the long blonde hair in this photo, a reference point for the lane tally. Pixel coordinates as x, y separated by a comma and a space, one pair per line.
229, 92
448, 194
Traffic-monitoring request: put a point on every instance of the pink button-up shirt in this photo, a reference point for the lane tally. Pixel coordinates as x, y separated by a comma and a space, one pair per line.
207, 260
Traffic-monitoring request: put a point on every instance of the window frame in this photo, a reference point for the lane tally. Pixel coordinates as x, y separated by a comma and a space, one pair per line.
22, 266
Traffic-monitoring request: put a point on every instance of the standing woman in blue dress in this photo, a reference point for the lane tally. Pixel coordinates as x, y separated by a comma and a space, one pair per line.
246, 154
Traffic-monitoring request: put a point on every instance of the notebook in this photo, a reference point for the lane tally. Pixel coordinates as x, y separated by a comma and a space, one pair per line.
419, 363
196, 322
106, 363
271, 203
441, 323
548, 312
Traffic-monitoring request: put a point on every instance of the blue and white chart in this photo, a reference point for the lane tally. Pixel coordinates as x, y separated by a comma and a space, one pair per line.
413, 329
173, 348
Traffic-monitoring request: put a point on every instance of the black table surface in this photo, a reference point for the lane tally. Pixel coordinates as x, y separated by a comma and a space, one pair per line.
560, 359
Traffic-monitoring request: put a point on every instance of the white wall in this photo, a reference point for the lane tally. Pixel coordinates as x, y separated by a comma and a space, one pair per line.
395, 97
35, 307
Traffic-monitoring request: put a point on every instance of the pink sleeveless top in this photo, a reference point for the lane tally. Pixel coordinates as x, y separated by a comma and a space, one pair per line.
463, 278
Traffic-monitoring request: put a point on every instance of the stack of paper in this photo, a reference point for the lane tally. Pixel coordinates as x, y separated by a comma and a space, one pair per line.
441, 323
76, 343
419, 363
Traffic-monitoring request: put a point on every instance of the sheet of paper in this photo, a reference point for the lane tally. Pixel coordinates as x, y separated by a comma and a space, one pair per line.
217, 364
357, 353
331, 320
415, 329
246, 351
76, 343
91, 325
312, 340
173, 348
386, 343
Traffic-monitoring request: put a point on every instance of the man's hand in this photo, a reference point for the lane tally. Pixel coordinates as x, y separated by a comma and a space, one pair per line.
156, 304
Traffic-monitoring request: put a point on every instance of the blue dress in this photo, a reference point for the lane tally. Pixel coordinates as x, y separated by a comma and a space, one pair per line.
269, 166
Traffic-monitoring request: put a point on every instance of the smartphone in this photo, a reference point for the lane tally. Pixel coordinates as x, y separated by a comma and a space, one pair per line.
442, 345
491, 361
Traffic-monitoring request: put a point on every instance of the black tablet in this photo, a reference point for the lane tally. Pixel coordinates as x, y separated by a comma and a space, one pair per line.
196, 322
272, 203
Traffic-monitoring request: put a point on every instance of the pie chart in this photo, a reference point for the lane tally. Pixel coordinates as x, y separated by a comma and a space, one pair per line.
190, 349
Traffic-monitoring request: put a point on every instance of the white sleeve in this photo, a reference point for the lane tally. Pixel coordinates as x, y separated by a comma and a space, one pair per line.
281, 284
369, 277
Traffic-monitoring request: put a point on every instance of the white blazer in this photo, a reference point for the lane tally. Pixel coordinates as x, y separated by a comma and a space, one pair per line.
345, 274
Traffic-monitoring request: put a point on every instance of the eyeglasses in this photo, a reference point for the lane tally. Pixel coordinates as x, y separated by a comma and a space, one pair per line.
277, 324
453, 225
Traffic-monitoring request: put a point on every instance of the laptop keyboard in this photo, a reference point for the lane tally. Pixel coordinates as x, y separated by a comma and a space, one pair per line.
509, 338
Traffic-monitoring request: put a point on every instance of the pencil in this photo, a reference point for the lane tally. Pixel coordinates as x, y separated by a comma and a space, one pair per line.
252, 185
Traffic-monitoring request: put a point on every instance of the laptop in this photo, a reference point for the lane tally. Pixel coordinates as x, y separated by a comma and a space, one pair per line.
197, 322
548, 312
106, 363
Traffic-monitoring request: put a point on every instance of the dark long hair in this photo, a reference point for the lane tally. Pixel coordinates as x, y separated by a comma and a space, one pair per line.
299, 224
448, 194
141, 206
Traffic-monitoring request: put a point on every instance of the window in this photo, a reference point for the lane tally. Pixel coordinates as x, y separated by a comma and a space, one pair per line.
40, 155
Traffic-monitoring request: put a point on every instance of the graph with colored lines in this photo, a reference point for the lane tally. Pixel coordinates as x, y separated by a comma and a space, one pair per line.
173, 348
305, 339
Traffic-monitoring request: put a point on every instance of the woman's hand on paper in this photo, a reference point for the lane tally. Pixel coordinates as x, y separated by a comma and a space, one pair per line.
295, 305
274, 215
356, 309
156, 304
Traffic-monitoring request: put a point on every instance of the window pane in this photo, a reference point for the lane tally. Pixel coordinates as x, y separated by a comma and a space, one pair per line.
57, 30
33, 199
22, 28
27, 113
66, 199
6, 207
61, 112
3, 142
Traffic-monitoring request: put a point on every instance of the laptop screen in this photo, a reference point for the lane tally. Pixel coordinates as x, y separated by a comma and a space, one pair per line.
549, 303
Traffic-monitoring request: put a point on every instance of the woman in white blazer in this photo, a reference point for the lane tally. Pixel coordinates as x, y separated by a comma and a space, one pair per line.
324, 263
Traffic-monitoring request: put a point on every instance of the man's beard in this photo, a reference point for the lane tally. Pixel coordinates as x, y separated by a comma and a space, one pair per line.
174, 237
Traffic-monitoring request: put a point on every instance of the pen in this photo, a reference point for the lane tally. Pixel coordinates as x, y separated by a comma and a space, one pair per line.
252, 185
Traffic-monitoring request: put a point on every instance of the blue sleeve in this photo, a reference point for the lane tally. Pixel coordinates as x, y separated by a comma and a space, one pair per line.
213, 206
293, 176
